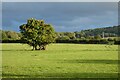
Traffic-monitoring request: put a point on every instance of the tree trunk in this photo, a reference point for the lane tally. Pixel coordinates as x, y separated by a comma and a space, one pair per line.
36, 48
33, 48
42, 47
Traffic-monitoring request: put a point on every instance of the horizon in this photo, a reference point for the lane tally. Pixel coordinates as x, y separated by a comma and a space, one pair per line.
65, 17
72, 31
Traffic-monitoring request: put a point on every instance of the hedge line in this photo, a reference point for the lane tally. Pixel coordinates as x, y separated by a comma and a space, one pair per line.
88, 41
102, 41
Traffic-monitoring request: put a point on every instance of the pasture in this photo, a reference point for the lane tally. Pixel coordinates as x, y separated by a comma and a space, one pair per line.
60, 61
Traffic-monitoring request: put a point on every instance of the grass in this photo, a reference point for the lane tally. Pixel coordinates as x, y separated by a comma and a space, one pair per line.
60, 61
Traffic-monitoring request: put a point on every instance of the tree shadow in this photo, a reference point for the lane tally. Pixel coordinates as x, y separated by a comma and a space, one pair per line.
91, 61
13, 75
17, 50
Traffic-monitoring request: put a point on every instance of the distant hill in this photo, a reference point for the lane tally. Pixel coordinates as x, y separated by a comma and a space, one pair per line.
108, 31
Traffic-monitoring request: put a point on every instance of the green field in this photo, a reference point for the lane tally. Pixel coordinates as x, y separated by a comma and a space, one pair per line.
60, 61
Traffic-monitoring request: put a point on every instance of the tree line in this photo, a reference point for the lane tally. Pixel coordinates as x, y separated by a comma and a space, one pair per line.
10, 35
91, 36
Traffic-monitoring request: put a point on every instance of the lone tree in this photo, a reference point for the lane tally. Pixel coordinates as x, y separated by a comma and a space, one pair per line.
37, 34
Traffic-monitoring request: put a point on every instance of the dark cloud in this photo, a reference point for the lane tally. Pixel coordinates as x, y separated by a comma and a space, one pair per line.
72, 16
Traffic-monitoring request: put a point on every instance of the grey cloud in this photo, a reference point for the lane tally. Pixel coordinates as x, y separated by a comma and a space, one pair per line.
64, 16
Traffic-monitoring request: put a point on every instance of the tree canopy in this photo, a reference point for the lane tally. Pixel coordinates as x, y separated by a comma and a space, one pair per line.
37, 33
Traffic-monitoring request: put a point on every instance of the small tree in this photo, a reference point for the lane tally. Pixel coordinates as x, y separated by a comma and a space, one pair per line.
70, 35
12, 35
98, 37
37, 33
3, 35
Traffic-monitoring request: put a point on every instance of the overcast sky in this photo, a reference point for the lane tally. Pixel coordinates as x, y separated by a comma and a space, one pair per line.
74, 16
